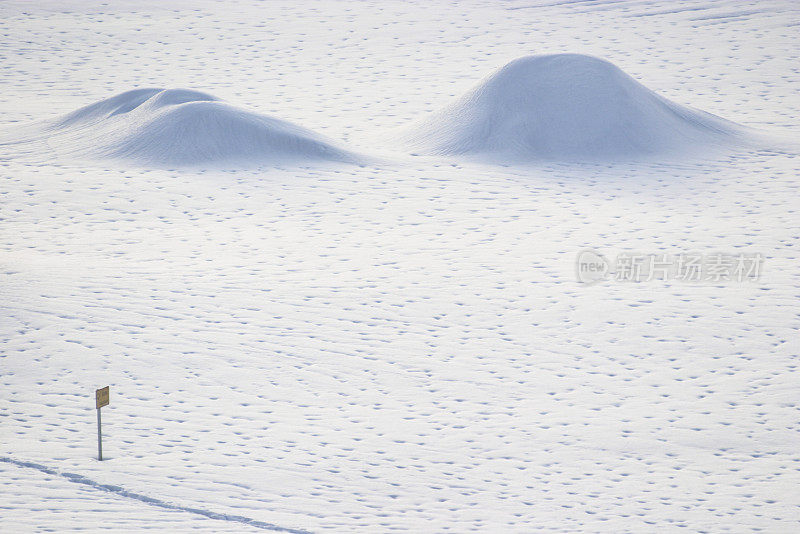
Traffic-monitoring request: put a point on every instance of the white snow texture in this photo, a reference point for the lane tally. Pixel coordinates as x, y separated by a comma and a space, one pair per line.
178, 127
387, 333
567, 107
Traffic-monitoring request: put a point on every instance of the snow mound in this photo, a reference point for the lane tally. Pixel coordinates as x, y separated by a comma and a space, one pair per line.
566, 107
179, 127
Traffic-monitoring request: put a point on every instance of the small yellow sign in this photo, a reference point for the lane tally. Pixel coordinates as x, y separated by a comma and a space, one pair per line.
101, 396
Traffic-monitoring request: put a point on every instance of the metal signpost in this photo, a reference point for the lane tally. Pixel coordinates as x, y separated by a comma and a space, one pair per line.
101, 399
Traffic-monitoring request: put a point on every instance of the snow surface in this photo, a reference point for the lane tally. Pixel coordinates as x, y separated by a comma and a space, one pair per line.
398, 346
568, 107
172, 127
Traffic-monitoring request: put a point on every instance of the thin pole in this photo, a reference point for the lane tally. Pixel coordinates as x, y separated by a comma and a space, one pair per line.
99, 438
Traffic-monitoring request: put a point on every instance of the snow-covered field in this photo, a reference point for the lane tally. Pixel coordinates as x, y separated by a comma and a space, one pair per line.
366, 330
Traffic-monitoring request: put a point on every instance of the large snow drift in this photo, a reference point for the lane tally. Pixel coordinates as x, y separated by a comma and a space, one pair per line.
568, 107
178, 127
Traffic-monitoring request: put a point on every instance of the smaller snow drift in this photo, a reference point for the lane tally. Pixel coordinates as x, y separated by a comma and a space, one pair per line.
177, 127
566, 107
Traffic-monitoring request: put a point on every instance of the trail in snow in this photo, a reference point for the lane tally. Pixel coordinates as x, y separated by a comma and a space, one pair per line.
80, 479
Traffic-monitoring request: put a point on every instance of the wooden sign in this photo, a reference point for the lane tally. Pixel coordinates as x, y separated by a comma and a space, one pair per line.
101, 399
101, 396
